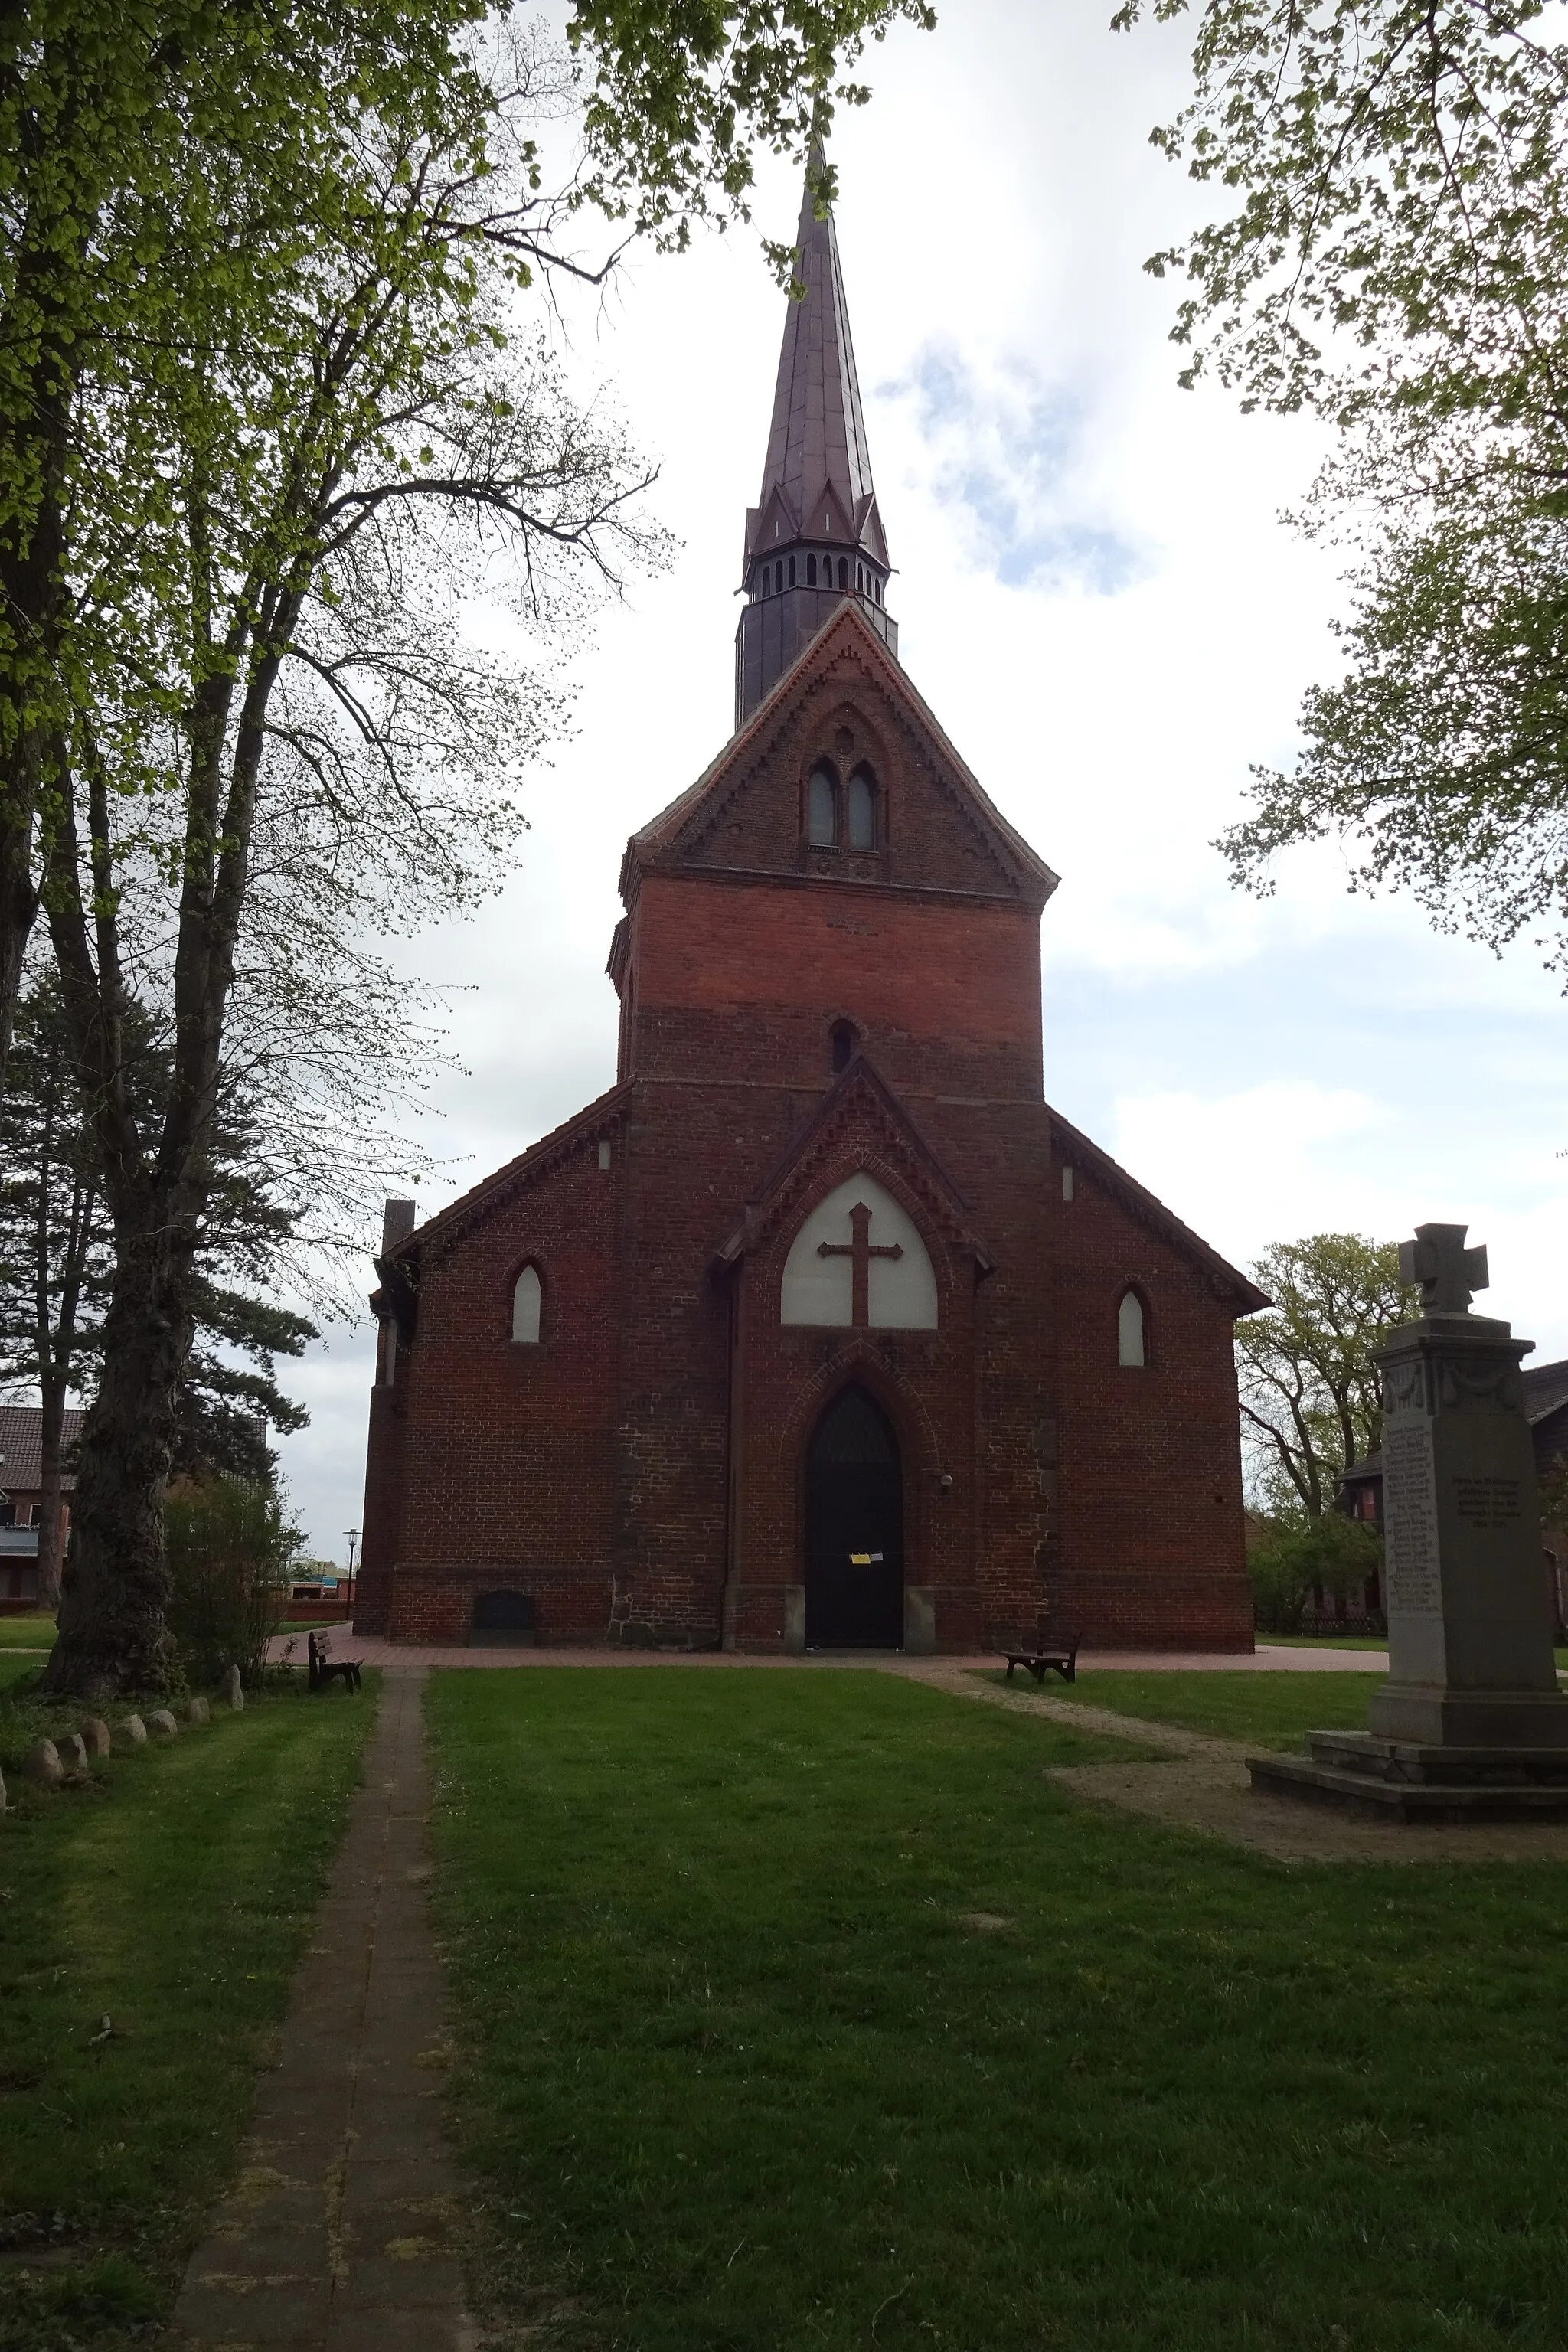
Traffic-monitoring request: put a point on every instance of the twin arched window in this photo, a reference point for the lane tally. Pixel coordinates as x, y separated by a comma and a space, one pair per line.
1131, 1338
527, 1301
832, 816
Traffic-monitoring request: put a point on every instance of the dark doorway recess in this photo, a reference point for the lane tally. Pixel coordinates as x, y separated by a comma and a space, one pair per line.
854, 1504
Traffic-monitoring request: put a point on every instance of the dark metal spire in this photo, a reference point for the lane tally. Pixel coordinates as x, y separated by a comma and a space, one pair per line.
815, 535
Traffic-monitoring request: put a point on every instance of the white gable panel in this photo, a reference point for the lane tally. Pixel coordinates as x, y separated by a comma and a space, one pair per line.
901, 1292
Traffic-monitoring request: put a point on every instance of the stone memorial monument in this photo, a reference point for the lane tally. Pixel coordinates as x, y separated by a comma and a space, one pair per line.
1470, 1722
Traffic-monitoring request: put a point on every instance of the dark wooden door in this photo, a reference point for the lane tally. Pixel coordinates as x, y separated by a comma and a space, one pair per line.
853, 1528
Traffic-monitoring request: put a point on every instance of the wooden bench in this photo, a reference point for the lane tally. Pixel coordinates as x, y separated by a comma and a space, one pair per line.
325, 1668
1046, 1649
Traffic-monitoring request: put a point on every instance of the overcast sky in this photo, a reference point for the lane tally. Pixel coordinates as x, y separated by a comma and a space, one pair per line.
1095, 594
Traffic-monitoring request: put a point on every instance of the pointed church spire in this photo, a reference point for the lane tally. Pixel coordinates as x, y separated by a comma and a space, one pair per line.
815, 535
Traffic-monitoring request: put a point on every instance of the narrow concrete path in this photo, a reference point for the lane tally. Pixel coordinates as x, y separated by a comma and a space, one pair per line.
341, 2233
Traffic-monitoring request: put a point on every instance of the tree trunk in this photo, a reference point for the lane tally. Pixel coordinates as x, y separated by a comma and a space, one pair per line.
32, 585
112, 1635
18, 901
51, 1425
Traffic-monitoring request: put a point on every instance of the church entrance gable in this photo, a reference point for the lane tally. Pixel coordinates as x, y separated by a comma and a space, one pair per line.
853, 1527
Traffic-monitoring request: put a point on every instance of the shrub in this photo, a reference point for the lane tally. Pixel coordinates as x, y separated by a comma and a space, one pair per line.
230, 1545
1337, 1553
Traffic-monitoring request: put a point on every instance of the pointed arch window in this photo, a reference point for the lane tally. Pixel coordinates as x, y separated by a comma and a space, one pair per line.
860, 808
811, 571
527, 1302
1132, 1335
767, 579
844, 574
791, 572
822, 807
843, 1039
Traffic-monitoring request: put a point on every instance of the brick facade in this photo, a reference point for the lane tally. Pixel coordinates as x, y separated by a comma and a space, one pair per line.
794, 1017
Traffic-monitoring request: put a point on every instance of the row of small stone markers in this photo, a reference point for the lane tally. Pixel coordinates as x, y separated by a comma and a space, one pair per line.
49, 1764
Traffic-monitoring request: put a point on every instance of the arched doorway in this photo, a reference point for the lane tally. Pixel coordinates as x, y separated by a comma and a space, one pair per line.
853, 1528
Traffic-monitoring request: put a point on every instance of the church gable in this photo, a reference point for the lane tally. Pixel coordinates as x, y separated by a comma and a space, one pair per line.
861, 1129
846, 710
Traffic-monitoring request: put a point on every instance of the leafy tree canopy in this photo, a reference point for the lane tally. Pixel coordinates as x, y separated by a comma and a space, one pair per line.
1390, 250
1309, 1387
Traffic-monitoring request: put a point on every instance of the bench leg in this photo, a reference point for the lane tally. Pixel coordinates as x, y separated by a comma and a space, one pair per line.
1038, 1673
1010, 1663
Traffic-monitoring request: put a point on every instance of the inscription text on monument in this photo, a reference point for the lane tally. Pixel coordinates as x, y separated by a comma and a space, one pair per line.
1411, 1516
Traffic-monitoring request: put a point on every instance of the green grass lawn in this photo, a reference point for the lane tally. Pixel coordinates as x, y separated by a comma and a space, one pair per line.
23, 1668
174, 1897
33, 1632
1271, 1710
803, 2011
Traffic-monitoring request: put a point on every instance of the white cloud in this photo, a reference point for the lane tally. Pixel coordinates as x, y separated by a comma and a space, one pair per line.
1263, 1165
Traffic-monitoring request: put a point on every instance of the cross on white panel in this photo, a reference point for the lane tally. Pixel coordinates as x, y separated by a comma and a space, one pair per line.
819, 1283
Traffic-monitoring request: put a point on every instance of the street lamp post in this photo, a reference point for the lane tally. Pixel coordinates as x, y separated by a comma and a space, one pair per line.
353, 1538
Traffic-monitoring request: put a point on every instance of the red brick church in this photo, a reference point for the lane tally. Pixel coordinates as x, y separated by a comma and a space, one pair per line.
820, 1327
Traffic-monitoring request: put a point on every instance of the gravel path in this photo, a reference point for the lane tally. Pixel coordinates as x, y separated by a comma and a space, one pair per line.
1200, 1783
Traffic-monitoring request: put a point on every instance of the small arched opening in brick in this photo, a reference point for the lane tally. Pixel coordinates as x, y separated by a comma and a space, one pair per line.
1131, 1329
527, 1306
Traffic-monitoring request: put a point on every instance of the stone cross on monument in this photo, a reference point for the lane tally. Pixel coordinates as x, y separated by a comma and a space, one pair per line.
1448, 1273
859, 1249
1471, 1721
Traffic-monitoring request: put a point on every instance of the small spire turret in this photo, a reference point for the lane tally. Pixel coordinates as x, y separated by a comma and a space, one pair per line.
815, 535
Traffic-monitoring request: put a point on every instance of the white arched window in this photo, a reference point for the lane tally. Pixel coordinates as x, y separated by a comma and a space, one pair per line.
526, 1299
1130, 1328
822, 809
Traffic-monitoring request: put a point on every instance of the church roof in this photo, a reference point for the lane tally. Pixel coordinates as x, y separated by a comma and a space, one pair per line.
816, 442
1545, 1389
21, 1447
1227, 1280
671, 832
596, 1120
